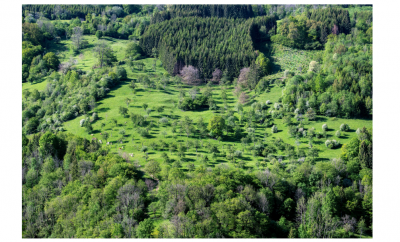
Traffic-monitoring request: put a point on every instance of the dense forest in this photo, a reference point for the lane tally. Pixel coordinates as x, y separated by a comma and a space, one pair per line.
206, 43
197, 121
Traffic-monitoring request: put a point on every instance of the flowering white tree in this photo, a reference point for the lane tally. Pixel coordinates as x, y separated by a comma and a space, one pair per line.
190, 75
243, 77
344, 127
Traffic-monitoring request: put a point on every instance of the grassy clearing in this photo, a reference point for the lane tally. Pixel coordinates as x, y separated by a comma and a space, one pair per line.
293, 60
86, 58
37, 85
107, 109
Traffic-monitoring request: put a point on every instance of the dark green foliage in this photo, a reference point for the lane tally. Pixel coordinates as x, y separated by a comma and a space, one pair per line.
333, 90
199, 102
51, 60
311, 29
204, 11
145, 229
66, 11
214, 43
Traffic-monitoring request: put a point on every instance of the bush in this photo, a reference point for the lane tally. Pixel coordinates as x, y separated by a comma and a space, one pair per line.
143, 132
337, 134
189, 104
163, 120
121, 73
325, 127
344, 127
274, 129
113, 76
95, 116
82, 122
331, 144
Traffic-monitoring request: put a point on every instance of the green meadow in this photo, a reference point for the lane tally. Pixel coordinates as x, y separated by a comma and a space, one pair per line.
132, 142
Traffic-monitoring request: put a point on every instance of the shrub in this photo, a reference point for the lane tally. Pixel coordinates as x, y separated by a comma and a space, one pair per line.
331, 144
143, 132
82, 122
344, 127
274, 129
358, 131
325, 127
328, 143
95, 116
121, 73
164, 120
337, 133
268, 102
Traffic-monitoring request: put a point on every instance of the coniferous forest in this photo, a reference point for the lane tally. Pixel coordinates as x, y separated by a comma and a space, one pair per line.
197, 121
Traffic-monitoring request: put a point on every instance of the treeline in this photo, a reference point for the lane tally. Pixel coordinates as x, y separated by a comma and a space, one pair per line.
74, 188
205, 43
218, 11
311, 29
340, 86
64, 11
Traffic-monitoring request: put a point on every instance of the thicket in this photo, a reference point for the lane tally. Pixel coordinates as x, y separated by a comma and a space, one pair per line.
218, 11
66, 96
205, 43
311, 29
64, 11
339, 86
73, 187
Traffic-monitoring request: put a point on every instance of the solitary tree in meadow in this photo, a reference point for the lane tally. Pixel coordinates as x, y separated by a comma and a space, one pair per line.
123, 111
115, 122
127, 101
105, 136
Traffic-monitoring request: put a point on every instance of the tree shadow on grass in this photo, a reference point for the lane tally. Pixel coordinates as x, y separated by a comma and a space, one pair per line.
318, 142
344, 136
245, 158
322, 159
103, 110
320, 119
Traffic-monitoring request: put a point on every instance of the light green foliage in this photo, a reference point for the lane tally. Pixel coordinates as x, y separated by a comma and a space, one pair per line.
216, 125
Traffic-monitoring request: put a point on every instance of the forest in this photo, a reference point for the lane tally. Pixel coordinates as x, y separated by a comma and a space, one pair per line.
197, 121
